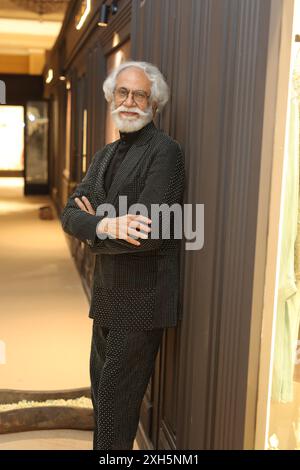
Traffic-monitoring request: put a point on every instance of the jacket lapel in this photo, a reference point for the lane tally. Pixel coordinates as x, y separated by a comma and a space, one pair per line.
131, 159
126, 168
108, 154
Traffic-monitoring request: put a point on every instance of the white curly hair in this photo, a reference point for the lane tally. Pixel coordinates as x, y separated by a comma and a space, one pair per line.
160, 91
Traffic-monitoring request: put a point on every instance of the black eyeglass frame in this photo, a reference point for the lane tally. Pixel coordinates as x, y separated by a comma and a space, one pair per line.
147, 96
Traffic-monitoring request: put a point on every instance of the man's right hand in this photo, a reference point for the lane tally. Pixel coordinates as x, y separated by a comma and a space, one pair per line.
124, 226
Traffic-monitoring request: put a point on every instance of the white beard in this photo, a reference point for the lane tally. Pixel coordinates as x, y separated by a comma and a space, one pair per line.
131, 123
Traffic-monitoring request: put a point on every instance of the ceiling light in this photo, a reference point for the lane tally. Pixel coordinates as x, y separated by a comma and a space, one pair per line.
50, 75
86, 8
62, 75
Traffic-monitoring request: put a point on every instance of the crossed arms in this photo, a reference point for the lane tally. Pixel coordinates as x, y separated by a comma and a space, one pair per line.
164, 185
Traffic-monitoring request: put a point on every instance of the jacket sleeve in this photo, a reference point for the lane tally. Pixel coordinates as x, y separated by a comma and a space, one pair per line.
75, 221
164, 185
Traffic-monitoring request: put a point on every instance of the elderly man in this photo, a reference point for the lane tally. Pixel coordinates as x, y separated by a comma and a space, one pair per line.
135, 292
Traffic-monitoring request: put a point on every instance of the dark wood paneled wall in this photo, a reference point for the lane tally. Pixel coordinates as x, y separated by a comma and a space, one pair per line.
214, 55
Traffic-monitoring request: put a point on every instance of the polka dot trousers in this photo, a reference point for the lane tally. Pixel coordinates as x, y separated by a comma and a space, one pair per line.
121, 365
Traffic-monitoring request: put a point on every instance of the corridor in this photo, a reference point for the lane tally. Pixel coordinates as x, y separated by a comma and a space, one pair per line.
44, 326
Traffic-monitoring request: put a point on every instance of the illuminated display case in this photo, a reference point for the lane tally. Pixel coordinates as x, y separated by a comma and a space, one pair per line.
36, 148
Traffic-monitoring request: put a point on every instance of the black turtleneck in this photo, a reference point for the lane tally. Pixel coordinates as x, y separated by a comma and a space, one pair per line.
126, 140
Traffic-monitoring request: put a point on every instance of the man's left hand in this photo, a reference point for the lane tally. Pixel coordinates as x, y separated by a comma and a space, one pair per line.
85, 205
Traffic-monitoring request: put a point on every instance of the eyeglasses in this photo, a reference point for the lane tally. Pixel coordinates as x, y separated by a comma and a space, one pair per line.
139, 96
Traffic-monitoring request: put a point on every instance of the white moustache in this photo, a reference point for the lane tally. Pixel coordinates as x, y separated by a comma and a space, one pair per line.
130, 123
129, 110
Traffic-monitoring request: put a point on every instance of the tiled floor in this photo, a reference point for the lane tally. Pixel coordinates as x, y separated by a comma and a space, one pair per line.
60, 439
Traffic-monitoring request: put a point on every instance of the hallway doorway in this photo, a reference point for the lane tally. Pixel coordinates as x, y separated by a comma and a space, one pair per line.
12, 140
